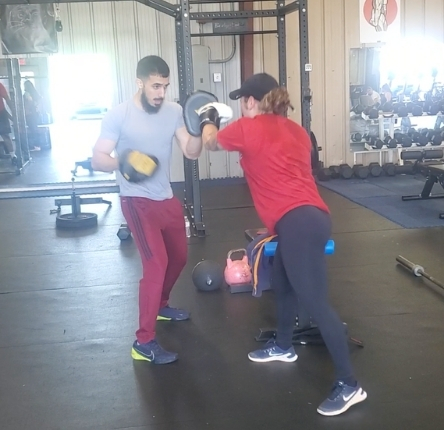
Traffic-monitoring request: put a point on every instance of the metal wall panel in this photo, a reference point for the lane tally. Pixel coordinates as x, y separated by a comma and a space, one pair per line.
64, 38
81, 21
103, 41
434, 19
147, 30
126, 46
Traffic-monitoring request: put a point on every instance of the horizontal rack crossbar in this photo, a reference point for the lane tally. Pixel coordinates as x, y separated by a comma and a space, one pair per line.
234, 14
290, 7
234, 33
295, 3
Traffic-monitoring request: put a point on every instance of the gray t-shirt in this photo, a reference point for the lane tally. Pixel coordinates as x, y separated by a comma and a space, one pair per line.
152, 134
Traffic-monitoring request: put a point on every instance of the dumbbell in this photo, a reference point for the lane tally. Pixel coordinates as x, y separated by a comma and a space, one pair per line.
372, 113
124, 232
417, 110
387, 108
436, 139
403, 111
346, 171
335, 172
390, 142
406, 142
411, 132
378, 144
324, 174
433, 109
356, 137
420, 139
375, 169
361, 171
430, 133
409, 106
358, 109
389, 169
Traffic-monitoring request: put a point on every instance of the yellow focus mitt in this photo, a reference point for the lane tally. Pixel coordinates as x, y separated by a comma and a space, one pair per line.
136, 166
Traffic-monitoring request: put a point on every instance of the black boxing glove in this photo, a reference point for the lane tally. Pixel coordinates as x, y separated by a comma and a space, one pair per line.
214, 113
136, 166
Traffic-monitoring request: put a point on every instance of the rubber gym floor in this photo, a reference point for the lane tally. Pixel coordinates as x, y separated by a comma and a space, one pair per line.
68, 311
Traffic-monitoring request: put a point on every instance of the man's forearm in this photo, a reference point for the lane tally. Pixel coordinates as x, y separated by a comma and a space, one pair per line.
209, 137
194, 147
104, 162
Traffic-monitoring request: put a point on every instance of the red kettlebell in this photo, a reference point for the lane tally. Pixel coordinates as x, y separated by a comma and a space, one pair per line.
237, 272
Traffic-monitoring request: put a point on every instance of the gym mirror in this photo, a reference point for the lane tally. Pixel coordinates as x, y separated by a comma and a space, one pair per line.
396, 98
53, 117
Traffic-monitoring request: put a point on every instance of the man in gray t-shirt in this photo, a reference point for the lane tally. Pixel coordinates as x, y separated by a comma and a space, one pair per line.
149, 124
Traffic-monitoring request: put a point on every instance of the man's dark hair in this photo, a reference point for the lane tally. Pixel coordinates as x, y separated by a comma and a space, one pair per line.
152, 65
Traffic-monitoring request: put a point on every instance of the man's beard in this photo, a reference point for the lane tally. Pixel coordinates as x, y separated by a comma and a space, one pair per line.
147, 107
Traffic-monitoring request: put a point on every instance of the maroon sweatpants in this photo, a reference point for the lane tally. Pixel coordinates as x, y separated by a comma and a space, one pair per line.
158, 228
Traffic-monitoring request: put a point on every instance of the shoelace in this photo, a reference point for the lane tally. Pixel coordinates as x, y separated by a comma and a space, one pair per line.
337, 389
271, 343
157, 349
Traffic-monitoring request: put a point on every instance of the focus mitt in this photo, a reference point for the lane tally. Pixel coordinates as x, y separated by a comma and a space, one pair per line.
194, 102
214, 113
136, 167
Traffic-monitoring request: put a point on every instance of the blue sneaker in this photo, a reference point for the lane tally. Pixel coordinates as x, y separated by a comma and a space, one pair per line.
341, 398
172, 314
152, 352
272, 352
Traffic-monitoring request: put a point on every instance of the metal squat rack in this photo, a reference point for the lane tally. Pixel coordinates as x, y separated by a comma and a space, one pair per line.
229, 24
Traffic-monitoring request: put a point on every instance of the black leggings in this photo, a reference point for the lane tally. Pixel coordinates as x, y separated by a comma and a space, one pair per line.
300, 280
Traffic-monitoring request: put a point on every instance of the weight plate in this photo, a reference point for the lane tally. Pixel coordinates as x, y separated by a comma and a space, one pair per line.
82, 220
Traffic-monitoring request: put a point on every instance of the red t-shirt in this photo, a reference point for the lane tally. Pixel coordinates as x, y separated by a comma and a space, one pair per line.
276, 158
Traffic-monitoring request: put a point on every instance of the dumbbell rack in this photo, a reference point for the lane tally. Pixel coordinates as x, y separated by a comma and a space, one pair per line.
385, 154
381, 120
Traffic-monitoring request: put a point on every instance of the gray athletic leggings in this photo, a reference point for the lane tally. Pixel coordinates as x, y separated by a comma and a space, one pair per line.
299, 279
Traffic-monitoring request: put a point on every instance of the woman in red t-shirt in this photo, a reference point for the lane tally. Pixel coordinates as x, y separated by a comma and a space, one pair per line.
276, 158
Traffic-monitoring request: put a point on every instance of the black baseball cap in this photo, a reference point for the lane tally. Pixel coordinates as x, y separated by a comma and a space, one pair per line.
255, 86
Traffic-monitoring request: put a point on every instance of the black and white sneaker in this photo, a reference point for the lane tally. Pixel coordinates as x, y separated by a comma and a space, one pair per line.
341, 398
272, 352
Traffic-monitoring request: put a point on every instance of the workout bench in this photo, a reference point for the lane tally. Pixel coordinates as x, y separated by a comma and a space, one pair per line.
305, 331
429, 163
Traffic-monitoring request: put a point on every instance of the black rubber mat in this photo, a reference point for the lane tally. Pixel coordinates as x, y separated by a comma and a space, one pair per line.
68, 312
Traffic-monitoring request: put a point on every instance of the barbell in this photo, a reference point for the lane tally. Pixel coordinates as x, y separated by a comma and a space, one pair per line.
417, 270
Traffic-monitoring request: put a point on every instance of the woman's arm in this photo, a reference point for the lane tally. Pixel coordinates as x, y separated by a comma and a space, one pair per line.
209, 138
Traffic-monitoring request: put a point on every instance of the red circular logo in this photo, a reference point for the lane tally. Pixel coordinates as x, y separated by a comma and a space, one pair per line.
392, 11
